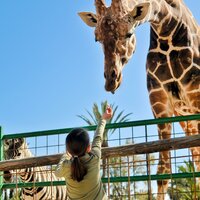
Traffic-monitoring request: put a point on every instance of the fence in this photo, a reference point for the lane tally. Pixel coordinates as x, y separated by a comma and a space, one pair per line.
128, 165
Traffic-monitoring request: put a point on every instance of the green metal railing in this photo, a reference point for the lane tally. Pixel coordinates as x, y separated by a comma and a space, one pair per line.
144, 123
111, 180
108, 126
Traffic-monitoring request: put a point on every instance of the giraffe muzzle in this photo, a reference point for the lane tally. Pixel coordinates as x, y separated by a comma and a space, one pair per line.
113, 84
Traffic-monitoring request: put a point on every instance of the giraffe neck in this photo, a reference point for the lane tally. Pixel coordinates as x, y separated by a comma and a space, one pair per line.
170, 19
174, 57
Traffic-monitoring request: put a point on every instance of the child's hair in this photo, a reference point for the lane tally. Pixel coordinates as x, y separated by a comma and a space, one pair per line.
77, 142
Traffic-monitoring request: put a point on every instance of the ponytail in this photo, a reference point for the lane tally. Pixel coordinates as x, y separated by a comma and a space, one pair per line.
77, 142
78, 170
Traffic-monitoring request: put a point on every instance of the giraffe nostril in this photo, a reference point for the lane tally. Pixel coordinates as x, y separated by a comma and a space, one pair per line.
114, 75
104, 75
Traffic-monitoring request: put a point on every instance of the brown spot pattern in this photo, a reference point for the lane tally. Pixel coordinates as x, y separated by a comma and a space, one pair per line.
168, 26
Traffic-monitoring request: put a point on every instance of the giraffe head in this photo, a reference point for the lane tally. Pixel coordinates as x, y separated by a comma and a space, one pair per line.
114, 29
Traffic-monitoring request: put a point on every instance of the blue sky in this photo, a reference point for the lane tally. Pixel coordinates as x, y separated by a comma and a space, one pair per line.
52, 69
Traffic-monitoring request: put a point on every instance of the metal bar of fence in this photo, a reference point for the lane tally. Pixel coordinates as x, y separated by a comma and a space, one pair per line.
108, 126
119, 151
111, 180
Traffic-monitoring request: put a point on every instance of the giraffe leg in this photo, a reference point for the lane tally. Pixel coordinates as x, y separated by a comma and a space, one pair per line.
161, 107
164, 165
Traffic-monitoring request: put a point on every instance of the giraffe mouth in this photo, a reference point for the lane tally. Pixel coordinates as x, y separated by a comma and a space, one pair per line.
113, 85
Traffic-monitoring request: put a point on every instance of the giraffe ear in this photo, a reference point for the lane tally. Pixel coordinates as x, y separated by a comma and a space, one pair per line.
89, 18
140, 11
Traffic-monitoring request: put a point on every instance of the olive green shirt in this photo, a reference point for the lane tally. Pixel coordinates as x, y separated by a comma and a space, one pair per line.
90, 188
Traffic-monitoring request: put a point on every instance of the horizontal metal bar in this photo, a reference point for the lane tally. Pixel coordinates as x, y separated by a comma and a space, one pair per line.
152, 177
108, 126
106, 180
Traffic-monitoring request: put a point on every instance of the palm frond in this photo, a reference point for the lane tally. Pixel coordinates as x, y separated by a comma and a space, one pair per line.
114, 108
86, 120
96, 112
104, 106
96, 116
118, 116
90, 114
124, 118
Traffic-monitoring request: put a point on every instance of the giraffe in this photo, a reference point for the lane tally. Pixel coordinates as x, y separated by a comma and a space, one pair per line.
172, 65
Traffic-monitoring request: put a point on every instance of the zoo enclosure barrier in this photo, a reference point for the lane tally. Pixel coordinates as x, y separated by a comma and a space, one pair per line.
128, 163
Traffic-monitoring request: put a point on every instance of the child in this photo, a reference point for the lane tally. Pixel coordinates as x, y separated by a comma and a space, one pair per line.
80, 166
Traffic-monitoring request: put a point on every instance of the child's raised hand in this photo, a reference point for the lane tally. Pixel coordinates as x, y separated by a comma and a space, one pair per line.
108, 113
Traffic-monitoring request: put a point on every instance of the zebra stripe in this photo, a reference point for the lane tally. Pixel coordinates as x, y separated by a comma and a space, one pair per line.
18, 149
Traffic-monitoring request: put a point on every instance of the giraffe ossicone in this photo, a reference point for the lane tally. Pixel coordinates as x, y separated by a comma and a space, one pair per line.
173, 60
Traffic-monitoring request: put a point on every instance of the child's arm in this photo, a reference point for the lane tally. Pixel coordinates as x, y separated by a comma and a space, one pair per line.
98, 137
60, 170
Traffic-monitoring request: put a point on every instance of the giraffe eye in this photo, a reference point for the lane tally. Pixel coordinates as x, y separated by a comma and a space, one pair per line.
128, 35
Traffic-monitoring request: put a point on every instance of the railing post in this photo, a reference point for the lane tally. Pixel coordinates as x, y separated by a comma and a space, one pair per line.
1, 159
148, 168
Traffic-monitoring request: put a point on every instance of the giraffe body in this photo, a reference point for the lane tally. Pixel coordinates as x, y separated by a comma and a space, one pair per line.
173, 60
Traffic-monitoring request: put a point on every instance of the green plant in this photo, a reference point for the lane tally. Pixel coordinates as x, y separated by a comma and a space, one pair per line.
185, 188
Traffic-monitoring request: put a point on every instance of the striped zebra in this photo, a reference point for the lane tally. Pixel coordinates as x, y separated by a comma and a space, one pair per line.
18, 149
9, 193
